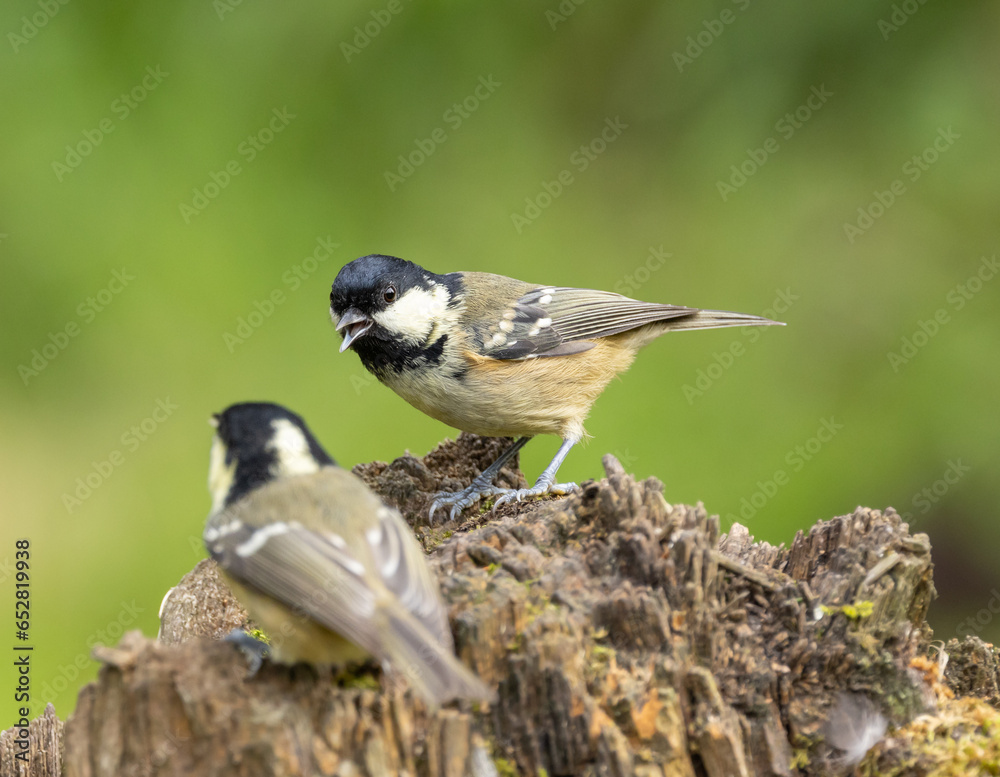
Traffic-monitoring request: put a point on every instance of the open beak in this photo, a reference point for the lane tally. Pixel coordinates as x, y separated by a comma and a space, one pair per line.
352, 325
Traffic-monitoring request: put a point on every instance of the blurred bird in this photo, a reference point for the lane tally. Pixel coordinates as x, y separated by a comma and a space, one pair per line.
325, 568
496, 356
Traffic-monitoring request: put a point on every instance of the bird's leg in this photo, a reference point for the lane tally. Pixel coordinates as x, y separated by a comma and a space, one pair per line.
481, 487
546, 483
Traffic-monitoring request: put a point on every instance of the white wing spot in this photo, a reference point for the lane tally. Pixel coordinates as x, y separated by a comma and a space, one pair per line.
506, 326
545, 299
259, 537
374, 535
353, 566
544, 322
509, 314
212, 533
498, 339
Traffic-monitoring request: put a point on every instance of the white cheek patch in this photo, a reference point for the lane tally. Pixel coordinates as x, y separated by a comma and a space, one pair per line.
414, 315
220, 477
292, 448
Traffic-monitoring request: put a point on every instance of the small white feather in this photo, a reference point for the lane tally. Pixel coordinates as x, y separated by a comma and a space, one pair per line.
855, 726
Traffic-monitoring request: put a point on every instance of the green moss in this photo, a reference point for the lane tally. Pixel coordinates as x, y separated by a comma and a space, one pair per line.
505, 767
800, 759
856, 611
259, 635
431, 538
363, 680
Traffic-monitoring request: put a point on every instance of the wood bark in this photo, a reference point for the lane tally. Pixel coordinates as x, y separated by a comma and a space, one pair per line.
623, 634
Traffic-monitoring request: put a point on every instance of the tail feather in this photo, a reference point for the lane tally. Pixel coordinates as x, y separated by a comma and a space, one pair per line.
428, 665
712, 319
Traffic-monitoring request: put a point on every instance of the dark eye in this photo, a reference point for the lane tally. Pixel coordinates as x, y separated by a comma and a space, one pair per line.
389, 295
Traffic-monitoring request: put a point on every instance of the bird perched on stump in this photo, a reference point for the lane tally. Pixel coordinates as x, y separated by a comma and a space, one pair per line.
497, 356
320, 563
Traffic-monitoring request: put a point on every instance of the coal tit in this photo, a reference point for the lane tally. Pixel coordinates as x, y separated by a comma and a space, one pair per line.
327, 570
496, 356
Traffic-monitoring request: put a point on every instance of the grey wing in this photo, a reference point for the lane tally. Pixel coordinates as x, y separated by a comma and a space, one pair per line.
557, 321
312, 574
400, 562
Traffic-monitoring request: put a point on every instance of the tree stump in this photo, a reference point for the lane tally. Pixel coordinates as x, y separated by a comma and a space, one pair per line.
624, 636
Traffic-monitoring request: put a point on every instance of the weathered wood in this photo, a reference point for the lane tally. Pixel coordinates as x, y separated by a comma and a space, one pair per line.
623, 634
38, 752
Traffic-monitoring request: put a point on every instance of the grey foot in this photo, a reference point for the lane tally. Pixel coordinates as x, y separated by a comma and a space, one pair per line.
459, 500
539, 489
252, 649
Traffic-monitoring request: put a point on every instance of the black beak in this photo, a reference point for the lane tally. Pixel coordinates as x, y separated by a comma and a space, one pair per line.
352, 325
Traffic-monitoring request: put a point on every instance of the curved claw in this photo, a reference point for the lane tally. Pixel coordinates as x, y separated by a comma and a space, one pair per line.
459, 500
520, 494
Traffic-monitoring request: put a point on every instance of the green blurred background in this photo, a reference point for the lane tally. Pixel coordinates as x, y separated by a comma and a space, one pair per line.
312, 104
